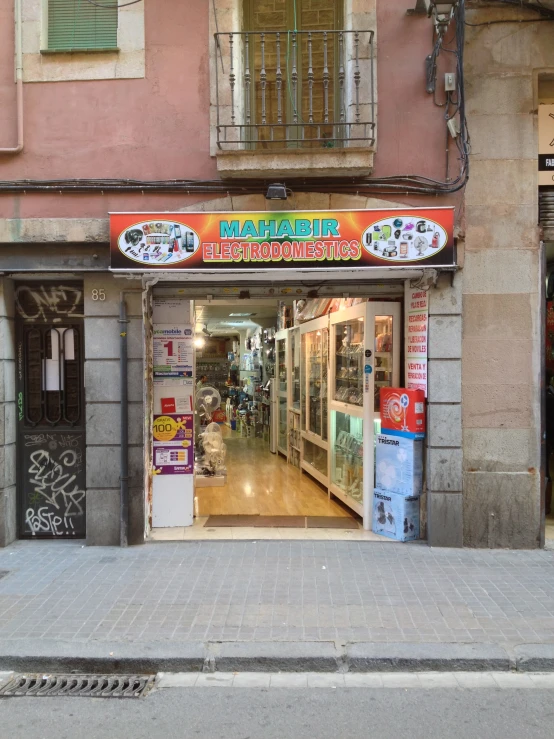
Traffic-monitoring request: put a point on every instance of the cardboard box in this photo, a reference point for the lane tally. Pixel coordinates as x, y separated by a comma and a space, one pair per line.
403, 412
395, 516
399, 464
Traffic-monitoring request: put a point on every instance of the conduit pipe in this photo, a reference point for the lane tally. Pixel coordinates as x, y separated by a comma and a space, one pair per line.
124, 410
18, 81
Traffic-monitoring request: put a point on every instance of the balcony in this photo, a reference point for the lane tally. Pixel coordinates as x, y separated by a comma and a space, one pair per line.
294, 103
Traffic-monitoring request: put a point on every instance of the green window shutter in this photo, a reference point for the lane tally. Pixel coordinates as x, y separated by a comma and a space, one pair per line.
80, 25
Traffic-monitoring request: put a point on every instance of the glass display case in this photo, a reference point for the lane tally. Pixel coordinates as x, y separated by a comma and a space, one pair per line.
364, 357
347, 458
348, 353
314, 398
295, 368
383, 357
281, 342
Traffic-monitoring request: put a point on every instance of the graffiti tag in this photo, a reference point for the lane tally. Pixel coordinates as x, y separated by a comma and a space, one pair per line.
43, 302
44, 521
53, 480
52, 441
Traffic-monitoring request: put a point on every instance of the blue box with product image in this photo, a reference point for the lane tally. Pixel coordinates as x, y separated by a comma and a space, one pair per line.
399, 464
395, 516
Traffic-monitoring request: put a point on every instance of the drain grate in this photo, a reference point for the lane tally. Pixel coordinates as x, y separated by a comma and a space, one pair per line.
88, 686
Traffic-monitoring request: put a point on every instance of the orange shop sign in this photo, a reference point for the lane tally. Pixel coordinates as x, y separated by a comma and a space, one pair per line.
260, 240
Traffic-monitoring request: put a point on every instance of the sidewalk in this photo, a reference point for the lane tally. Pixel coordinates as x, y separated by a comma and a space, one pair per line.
171, 594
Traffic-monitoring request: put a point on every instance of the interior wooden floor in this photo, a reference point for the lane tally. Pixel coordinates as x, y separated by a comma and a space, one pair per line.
262, 483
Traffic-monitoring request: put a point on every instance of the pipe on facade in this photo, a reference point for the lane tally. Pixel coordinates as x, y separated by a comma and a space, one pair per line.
18, 81
124, 417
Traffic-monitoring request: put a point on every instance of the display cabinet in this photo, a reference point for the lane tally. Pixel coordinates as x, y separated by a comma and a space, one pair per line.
314, 370
364, 356
282, 356
294, 334
294, 396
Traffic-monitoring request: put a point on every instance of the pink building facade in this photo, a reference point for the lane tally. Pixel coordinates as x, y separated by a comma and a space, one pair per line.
173, 120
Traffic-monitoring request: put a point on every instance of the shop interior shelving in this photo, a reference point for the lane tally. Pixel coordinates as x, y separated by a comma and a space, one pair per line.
313, 398
364, 357
282, 376
294, 451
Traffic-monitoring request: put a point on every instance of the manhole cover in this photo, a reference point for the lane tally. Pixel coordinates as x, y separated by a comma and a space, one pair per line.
89, 686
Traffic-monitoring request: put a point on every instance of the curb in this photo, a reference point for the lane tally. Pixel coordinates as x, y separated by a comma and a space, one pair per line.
321, 656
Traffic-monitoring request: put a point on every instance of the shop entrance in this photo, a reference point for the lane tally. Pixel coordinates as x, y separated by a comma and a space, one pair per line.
286, 403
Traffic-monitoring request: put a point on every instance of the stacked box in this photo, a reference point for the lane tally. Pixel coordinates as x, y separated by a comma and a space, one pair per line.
399, 464
395, 516
403, 412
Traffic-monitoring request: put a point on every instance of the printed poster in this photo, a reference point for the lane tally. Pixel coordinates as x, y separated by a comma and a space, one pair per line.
173, 447
173, 350
417, 328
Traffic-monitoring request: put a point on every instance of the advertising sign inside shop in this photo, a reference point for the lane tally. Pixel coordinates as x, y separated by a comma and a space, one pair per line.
173, 350
417, 325
173, 448
314, 240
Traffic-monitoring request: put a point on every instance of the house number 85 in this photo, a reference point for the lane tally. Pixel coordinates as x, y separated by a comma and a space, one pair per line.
98, 294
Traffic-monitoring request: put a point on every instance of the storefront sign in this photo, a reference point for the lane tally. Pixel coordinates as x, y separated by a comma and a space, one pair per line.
315, 240
173, 449
173, 350
546, 144
417, 325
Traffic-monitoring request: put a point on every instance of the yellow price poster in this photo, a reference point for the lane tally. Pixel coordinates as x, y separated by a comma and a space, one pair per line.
166, 428
173, 444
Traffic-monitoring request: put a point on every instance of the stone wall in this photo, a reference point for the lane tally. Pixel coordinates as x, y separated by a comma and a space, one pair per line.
102, 393
8, 411
444, 436
501, 344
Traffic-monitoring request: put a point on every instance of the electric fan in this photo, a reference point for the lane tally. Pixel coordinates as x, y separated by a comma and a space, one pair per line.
208, 400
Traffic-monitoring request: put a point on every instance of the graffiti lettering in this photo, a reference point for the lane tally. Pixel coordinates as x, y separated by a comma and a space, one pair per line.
52, 441
47, 302
20, 361
20, 406
55, 481
44, 521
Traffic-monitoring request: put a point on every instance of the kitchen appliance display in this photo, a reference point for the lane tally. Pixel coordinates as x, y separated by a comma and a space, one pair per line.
404, 237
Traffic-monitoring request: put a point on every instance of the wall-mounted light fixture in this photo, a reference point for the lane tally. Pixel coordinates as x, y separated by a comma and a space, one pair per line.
440, 10
276, 191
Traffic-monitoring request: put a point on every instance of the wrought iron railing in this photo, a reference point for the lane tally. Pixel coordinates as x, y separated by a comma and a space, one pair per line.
295, 89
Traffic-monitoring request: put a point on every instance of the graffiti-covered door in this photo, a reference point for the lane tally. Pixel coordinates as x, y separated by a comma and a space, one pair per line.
50, 407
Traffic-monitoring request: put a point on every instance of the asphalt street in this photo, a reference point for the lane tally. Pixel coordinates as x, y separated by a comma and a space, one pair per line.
299, 713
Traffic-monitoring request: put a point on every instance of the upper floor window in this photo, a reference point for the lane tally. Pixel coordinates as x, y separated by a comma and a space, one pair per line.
82, 25
296, 74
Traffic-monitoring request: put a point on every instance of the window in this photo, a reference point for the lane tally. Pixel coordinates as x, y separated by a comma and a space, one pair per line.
80, 25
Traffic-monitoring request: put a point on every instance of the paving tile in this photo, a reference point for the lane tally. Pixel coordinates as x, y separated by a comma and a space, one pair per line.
252, 680
289, 680
324, 680
177, 679
476, 680
215, 680
280, 590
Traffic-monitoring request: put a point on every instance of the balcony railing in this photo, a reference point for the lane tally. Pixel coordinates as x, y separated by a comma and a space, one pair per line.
295, 89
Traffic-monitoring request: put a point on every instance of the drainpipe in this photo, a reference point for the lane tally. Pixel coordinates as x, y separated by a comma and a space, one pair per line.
124, 410
18, 81
124, 420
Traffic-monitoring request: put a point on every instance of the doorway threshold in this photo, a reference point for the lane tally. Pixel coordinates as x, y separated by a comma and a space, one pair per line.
199, 532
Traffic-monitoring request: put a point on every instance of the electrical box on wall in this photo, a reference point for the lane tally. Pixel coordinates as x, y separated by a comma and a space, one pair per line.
450, 82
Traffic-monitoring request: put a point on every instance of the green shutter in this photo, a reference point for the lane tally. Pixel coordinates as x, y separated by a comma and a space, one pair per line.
80, 25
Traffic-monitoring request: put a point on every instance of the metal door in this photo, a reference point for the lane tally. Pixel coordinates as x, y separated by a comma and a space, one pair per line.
50, 407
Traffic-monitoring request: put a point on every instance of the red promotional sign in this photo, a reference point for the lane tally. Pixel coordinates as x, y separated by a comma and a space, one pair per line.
250, 241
